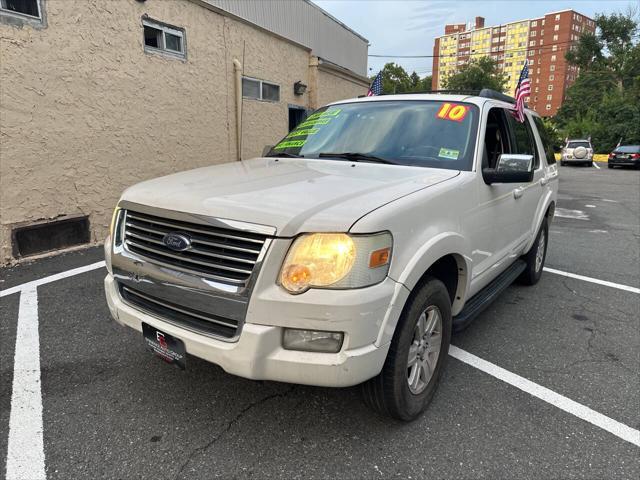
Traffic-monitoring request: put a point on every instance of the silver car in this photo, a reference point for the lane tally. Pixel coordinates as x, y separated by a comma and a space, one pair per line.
577, 152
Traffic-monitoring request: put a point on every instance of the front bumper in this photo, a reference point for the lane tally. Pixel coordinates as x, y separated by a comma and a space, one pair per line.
258, 352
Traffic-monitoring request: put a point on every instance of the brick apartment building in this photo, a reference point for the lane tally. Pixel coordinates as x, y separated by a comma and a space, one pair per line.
542, 41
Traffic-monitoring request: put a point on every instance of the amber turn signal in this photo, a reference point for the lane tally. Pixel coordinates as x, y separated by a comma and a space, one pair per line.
379, 258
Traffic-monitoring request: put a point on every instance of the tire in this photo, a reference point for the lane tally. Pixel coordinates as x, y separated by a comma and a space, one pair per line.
609, 166
389, 393
562, 164
535, 263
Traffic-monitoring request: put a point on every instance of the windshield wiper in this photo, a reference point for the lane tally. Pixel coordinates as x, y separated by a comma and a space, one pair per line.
285, 155
357, 157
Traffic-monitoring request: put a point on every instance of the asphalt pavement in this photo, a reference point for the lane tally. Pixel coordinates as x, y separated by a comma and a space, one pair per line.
111, 410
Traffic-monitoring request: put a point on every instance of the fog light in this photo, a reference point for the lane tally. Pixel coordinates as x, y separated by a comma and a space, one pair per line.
312, 340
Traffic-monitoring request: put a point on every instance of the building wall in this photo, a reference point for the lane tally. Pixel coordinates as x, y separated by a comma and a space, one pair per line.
307, 24
333, 86
85, 112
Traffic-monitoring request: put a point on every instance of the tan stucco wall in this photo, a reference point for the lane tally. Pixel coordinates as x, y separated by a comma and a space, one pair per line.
85, 112
334, 86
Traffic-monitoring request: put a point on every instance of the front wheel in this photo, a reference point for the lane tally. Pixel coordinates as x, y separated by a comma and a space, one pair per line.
536, 256
417, 355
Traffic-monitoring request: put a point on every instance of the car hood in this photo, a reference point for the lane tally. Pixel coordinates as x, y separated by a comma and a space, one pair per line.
292, 195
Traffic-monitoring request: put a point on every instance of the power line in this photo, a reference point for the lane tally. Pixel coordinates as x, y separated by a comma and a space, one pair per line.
498, 52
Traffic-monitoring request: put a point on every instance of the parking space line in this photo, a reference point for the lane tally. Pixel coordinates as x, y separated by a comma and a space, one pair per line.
606, 283
596, 165
25, 451
52, 278
618, 429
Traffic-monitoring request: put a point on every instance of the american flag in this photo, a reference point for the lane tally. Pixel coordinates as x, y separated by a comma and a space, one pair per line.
522, 90
376, 86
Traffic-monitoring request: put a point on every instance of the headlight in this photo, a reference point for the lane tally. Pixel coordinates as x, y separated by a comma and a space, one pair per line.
336, 260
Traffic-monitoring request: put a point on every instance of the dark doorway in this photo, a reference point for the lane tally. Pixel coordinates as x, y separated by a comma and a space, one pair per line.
296, 116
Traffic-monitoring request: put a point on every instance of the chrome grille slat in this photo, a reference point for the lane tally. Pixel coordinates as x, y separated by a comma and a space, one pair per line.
194, 250
197, 240
178, 226
184, 258
223, 254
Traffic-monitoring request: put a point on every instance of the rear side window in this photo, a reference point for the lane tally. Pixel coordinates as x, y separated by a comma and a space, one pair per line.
546, 141
523, 139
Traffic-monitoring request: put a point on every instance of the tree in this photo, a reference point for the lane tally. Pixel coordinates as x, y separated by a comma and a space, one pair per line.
395, 79
476, 75
604, 101
612, 49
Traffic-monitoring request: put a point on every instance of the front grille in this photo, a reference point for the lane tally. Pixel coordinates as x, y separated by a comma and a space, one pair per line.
221, 254
179, 315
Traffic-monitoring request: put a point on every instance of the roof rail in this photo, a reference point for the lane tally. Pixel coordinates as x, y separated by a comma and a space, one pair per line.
488, 93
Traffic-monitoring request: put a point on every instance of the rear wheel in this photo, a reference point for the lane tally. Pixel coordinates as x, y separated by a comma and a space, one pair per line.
609, 166
416, 357
536, 256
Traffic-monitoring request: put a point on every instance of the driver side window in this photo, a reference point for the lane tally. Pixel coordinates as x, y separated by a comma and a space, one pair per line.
524, 141
496, 139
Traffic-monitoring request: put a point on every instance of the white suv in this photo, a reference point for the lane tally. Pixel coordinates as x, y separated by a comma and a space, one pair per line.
577, 151
349, 253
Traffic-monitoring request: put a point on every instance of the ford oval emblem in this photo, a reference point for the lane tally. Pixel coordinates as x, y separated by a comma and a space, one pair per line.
177, 241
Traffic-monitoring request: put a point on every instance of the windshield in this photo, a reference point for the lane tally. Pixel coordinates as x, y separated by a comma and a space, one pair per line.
418, 133
629, 149
578, 144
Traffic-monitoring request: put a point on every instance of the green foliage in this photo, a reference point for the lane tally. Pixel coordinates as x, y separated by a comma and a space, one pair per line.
476, 75
395, 79
604, 102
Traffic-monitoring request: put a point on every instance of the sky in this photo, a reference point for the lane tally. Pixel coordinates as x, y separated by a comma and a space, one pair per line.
398, 27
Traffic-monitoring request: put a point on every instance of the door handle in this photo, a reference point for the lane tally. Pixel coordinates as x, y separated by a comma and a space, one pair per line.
544, 181
517, 193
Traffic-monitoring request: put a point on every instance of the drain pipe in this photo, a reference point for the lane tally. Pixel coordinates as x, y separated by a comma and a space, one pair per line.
237, 70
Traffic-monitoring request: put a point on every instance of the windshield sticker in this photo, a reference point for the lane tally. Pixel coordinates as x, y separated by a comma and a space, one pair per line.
315, 122
449, 153
452, 111
303, 132
290, 144
326, 113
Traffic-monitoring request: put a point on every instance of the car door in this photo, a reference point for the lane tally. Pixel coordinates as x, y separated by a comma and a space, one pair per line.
527, 195
495, 223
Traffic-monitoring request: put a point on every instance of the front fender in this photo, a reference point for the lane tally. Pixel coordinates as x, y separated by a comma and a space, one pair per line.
443, 244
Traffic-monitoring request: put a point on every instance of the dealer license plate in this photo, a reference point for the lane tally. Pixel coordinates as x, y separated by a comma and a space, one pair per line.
167, 347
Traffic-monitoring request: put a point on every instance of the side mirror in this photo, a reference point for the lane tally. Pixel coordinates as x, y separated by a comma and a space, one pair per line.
266, 150
510, 168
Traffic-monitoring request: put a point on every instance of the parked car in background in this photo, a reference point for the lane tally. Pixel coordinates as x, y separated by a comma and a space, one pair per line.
577, 152
625, 156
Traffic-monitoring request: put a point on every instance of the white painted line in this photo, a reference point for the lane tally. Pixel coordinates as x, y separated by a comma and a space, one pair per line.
52, 278
596, 165
25, 451
619, 286
590, 206
618, 429
575, 214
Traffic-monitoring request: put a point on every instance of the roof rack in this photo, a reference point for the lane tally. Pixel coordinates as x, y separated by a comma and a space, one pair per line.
488, 93
485, 92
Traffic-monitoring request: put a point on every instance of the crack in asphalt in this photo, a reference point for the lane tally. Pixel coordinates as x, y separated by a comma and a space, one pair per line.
229, 426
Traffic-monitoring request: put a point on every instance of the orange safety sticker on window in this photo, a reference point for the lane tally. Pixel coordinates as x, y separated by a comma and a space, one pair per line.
452, 111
